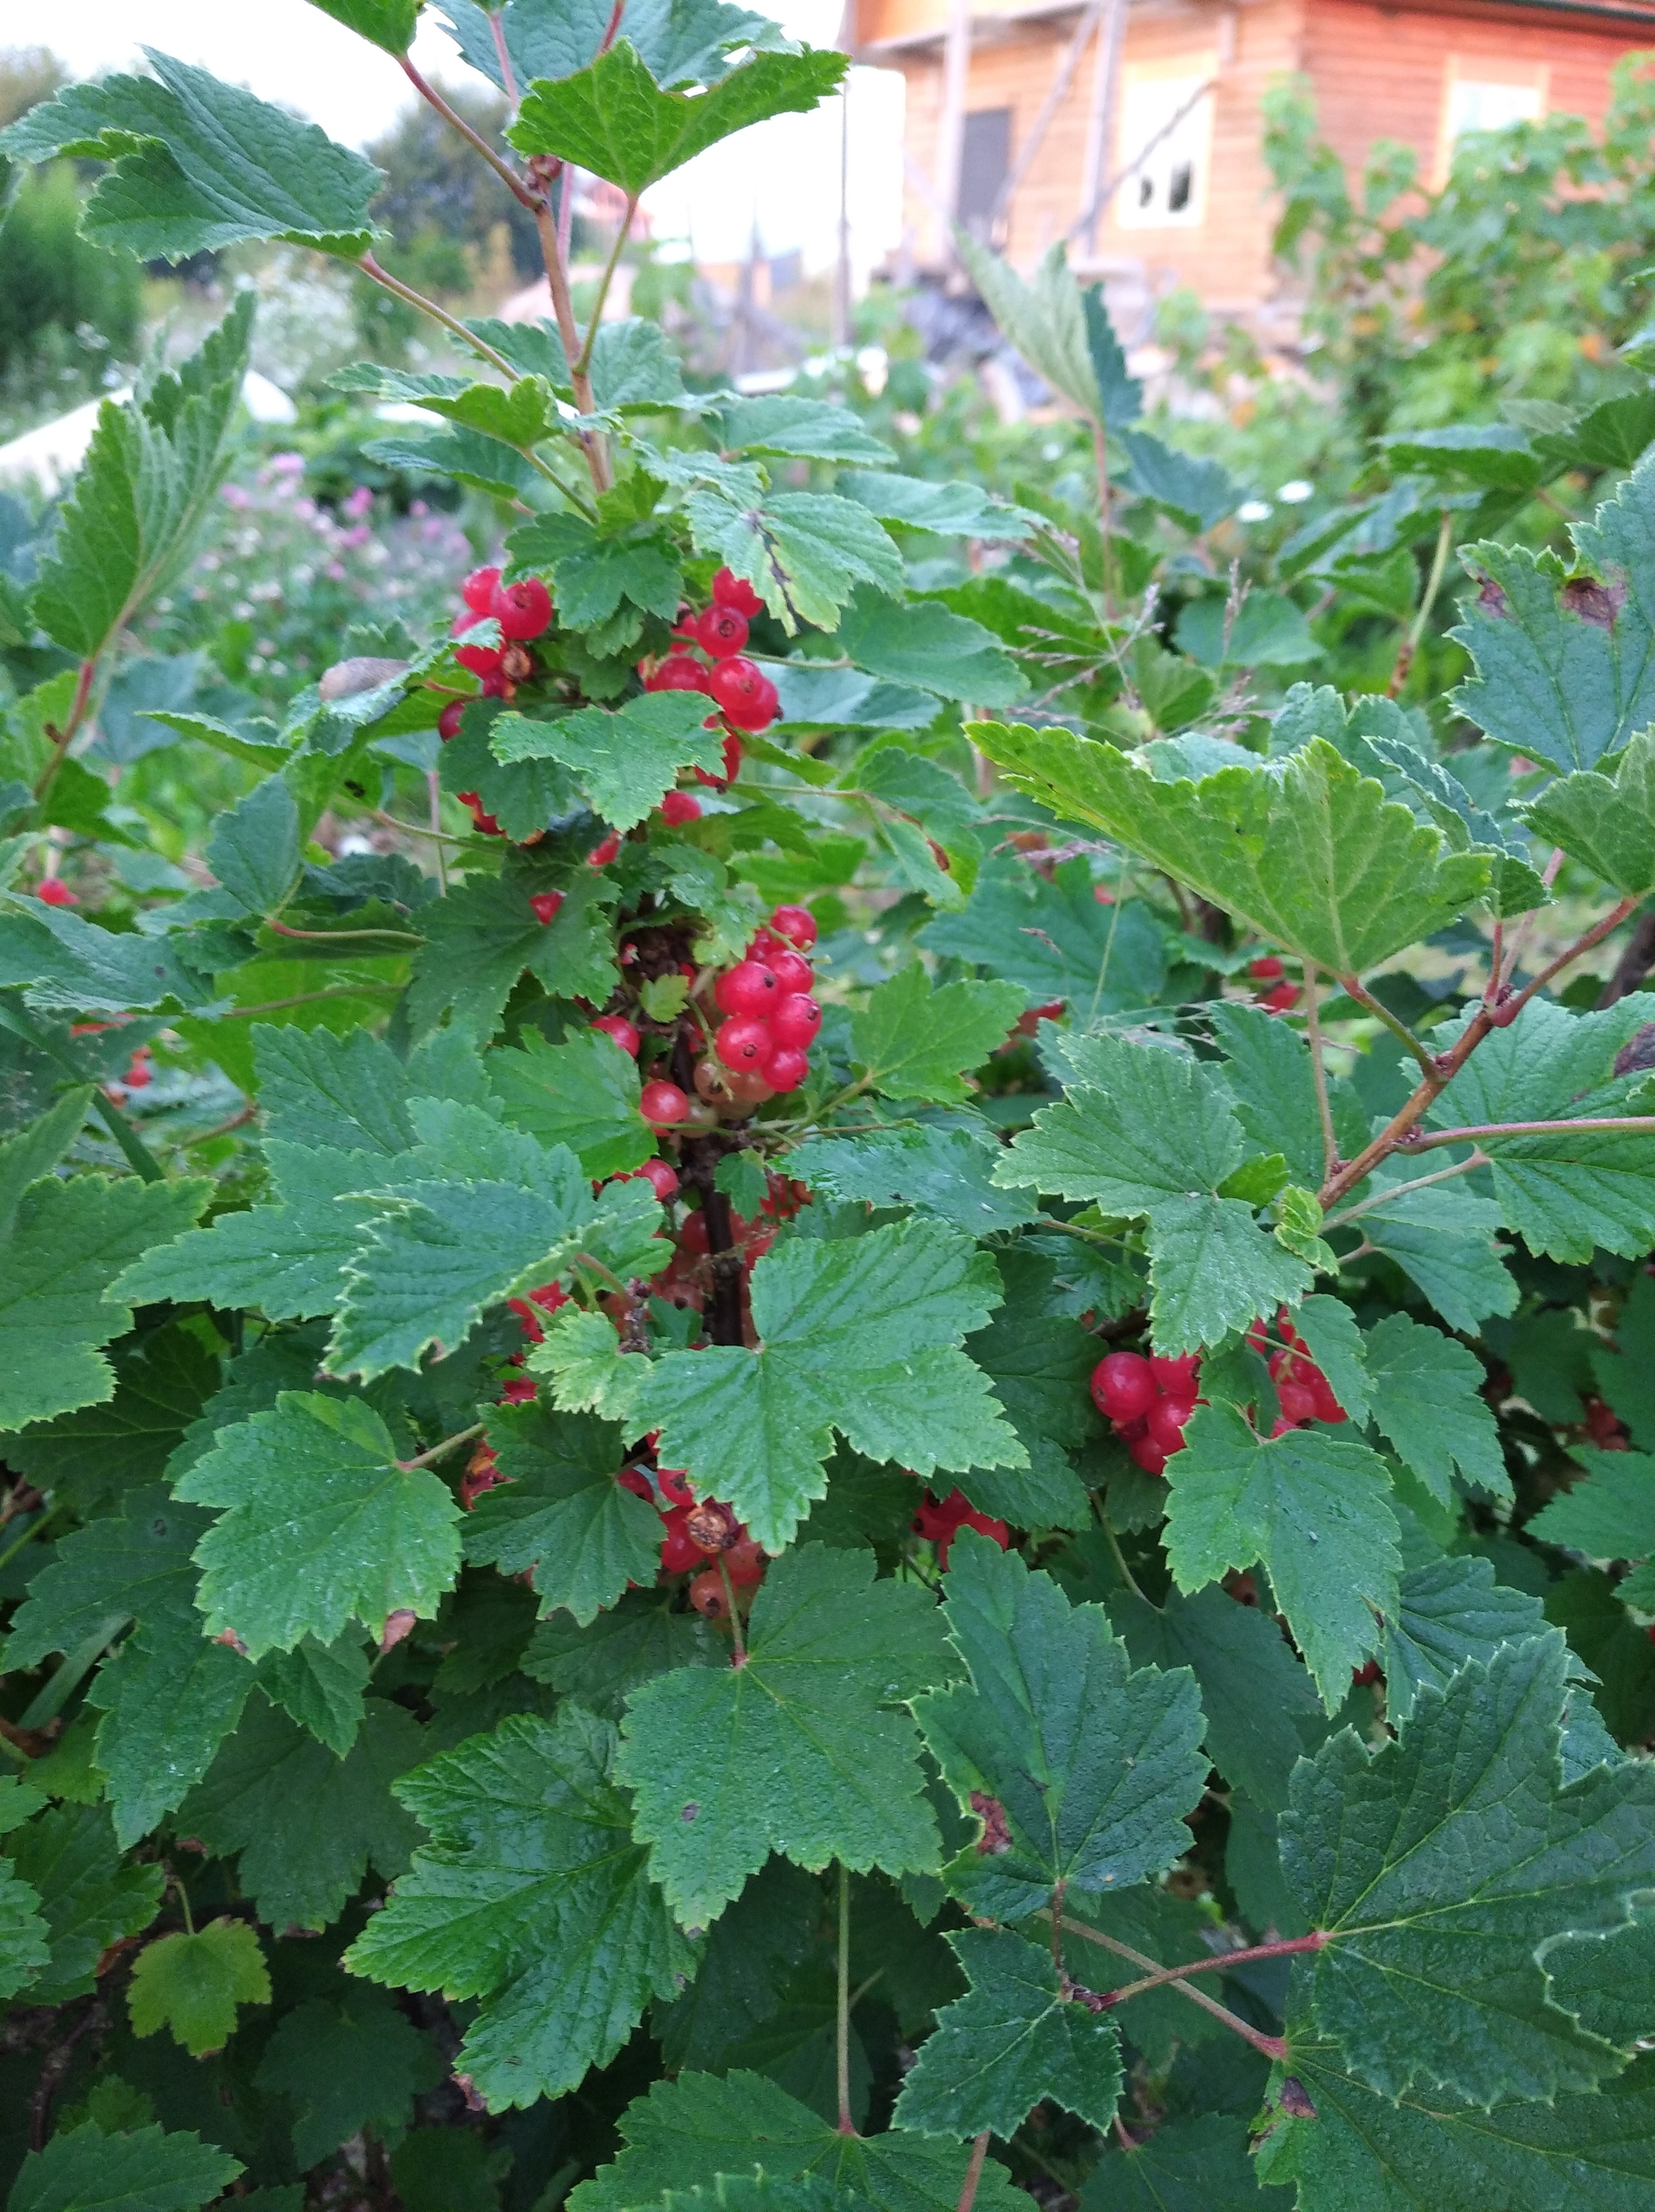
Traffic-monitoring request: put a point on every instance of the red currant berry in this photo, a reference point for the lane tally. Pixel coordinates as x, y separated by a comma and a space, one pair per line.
448, 720
745, 1563
661, 1178
721, 631
749, 988
1123, 1386
786, 1068
496, 685
54, 891
1178, 1378
545, 904
679, 1552
1164, 1425
792, 971
1297, 1403
663, 1104
673, 1483
634, 1480
679, 806
731, 591
522, 610
481, 659
797, 924
618, 1027
677, 672
137, 1076
709, 1595
1266, 970
602, 855
521, 1390
745, 693
530, 1319
745, 1044
1284, 996
747, 1090
478, 590
732, 764
1147, 1453
796, 1022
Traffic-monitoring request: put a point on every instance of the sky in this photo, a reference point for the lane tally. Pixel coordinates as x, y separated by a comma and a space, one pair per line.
784, 174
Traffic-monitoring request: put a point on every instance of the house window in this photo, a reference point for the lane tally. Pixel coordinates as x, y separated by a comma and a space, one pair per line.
984, 162
1474, 99
1165, 130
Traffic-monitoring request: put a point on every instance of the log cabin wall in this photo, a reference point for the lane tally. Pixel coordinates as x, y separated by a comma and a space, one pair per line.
1405, 73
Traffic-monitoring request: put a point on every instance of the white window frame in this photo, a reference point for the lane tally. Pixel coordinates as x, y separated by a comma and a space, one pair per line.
1152, 94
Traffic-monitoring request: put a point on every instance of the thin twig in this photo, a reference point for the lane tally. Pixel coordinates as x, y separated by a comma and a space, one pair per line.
1319, 1076
847, 2123
1220, 1962
313, 999
1273, 2046
741, 1642
513, 183
552, 252
61, 739
1614, 1125
580, 367
29, 1533
1410, 644
452, 324
338, 936
973, 2172
1402, 1190
1399, 1029
440, 1451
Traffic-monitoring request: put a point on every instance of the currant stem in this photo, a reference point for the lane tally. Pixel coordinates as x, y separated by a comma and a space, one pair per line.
1369, 1004
847, 2123
1403, 1189
438, 1451
1319, 1074
1273, 2046
1618, 1125
383, 278
339, 936
61, 739
1218, 1961
579, 368
513, 183
973, 2172
735, 1616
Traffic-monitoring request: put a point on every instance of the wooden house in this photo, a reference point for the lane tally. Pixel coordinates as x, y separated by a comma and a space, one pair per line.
1133, 128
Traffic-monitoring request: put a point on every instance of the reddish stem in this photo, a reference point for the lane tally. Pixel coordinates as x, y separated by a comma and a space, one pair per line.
973, 2172
1220, 1962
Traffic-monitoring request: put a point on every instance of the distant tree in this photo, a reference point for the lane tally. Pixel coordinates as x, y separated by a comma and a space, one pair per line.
438, 199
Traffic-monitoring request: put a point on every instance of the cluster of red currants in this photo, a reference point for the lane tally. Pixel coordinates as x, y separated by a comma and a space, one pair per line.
742, 692
939, 1520
1147, 1402
1302, 1390
1278, 995
697, 1538
523, 611
763, 1046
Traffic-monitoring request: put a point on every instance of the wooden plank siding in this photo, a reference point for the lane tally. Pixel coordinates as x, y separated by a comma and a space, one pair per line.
1379, 71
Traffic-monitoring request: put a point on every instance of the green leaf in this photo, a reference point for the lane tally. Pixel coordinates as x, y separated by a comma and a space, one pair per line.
35, 1150
162, 1382
811, 430
1440, 1866
861, 1337
1565, 652
1200, 2164
1311, 854
1269, 631
624, 761
942, 1173
532, 1896
1268, 1074
168, 1699
1606, 822
470, 457
1427, 1401
613, 119
1046, 320
685, 2132
743, 1966
321, 1687
1143, 1130
254, 849
193, 1984
1081, 1771
478, 1211
804, 552
920, 642
484, 935
305, 1823
1593, 2153
347, 2063
946, 510
582, 1093
1195, 492
1258, 1699
601, 1666
1015, 2038
912, 1040
90, 1897
1055, 939
592, 575
1562, 1193
385, 23
1312, 1508
560, 1515
1495, 456
84, 2170
827, 1649
1039, 1361
101, 1575
321, 1525
1328, 1328
741, 1177
1609, 1516
1448, 1611
65, 965
149, 474
200, 165
1443, 1239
